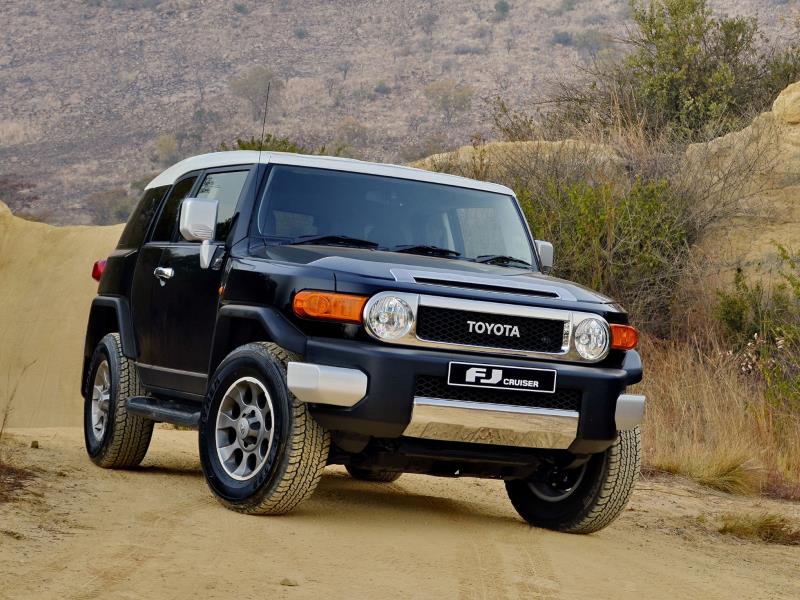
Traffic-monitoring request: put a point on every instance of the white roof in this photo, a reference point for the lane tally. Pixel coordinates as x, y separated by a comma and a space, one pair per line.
249, 157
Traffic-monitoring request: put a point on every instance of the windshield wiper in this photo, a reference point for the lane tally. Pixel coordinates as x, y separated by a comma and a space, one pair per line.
333, 240
428, 250
500, 259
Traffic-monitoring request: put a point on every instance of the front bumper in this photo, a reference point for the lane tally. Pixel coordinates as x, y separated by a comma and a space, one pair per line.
389, 407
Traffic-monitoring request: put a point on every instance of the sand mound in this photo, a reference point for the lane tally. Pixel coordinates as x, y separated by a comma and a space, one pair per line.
45, 292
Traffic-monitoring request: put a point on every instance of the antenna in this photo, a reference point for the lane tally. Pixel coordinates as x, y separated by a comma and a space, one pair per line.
264, 123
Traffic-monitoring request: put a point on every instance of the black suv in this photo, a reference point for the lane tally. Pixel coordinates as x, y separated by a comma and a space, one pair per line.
302, 311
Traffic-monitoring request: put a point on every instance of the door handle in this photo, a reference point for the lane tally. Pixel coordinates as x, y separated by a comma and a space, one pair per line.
163, 273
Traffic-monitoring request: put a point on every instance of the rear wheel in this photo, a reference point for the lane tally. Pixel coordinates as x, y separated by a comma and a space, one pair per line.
114, 438
260, 449
585, 499
377, 475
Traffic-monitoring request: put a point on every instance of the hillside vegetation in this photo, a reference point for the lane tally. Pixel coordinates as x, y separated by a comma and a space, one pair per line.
96, 94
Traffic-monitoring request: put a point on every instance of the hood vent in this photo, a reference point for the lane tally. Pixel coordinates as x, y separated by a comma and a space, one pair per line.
513, 284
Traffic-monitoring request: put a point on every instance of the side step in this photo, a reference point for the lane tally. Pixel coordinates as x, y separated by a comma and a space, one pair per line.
177, 412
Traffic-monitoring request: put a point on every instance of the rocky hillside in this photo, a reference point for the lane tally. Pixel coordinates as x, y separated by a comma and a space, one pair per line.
95, 94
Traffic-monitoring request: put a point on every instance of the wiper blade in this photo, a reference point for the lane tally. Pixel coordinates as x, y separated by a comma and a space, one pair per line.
333, 240
501, 259
426, 249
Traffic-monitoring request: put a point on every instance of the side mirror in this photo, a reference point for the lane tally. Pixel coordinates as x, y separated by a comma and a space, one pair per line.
197, 224
545, 252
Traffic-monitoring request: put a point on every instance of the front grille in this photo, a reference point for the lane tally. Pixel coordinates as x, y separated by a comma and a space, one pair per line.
436, 387
436, 324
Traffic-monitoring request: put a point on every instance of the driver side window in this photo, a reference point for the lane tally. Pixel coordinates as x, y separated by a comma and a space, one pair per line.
225, 188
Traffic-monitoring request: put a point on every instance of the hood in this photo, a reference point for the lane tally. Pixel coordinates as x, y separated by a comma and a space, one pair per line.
413, 268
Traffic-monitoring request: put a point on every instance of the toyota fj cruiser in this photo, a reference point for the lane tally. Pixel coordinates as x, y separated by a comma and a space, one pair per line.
302, 311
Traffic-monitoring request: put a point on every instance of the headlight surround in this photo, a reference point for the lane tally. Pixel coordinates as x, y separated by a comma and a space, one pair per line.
591, 339
389, 317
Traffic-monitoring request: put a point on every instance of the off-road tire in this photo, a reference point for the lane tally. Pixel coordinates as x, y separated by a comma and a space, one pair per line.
299, 451
599, 498
377, 475
127, 436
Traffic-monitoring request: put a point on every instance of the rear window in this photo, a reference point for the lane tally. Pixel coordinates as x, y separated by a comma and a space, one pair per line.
136, 228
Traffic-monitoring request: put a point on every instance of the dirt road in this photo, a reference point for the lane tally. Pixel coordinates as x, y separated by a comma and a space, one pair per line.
156, 532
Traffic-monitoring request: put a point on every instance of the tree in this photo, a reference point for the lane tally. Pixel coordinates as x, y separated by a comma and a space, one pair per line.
166, 149
110, 206
687, 73
344, 68
449, 97
252, 87
501, 8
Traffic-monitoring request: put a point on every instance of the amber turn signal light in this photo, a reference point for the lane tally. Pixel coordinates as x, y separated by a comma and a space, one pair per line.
329, 306
624, 337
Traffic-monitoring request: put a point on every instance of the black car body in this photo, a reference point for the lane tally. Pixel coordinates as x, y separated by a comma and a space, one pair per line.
434, 400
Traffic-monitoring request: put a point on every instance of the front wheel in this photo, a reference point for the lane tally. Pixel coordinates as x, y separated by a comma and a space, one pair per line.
261, 450
584, 499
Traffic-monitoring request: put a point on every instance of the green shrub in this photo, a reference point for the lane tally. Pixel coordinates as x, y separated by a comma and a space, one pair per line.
110, 206
501, 8
449, 97
762, 321
632, 244
252, 86
688, 73
273, 143
561, 38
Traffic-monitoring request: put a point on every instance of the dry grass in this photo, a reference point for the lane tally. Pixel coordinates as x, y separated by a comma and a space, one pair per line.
12, 477
765, 527
707, 421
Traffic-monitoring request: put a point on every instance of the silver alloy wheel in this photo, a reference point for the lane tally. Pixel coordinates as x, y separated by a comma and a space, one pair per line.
101, 399
558, 484
245, 428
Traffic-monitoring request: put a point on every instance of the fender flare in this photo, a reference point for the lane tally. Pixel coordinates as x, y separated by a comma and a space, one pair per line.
277, 328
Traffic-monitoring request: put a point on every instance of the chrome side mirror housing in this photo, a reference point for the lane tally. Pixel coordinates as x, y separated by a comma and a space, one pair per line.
197, 224
545, 252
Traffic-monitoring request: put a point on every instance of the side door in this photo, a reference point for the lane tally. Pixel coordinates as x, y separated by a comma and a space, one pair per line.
189, 296
148, 314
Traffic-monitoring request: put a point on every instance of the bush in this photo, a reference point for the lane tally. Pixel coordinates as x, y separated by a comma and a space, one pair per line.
273, 143
449, 98
166, 149
762, 321
300, 33
561, 38
241, 8
110, 206
383, 89
629, 244
689, 73
501, 8
252, 87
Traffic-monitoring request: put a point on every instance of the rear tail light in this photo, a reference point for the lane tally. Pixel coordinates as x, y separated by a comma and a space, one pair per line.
624, 337
329, 306
97, 269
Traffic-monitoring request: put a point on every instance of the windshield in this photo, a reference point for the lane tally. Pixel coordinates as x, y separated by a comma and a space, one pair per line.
308, 205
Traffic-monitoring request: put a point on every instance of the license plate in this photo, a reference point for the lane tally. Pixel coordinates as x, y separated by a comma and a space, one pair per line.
502, 378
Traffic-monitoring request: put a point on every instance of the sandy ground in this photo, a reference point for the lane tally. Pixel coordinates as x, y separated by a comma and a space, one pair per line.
156, 532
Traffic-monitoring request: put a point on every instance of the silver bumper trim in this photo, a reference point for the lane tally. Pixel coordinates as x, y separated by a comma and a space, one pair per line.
321, 384
630, 411
497, 424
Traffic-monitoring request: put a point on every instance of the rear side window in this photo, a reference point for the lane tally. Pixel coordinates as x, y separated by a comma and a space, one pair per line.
225, 188
138, 222
167, 222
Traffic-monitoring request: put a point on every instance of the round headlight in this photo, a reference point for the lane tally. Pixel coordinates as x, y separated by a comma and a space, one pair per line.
591, 339
390, 318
